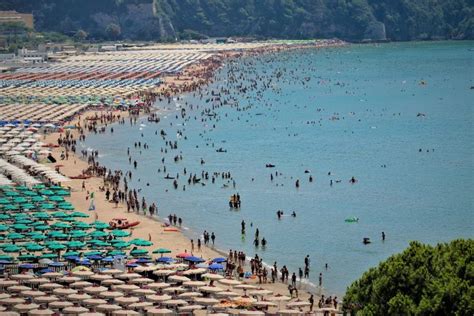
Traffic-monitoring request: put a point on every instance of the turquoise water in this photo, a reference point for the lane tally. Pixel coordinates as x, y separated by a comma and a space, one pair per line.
368, 99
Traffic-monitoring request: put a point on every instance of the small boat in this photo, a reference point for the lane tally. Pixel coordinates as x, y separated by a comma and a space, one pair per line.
122, 223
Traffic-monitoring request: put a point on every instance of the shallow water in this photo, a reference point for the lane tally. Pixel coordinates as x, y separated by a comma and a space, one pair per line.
376, 94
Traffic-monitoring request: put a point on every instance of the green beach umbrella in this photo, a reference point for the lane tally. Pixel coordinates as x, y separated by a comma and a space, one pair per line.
11, 207
98, 234
68, 219
141, 242
42, 227
56, 246
21, 188
57, 234
38, 237
12, 193
48, 256
92, 253
116, 253
41, 215
6, 257
61, 225
46, 192
66, 206
28, 206
12, 248
102, 244
56, 198
120, 233
15, 236
4, 227
121, 245
5, 201
4, 217
34, 247
62, 193
82, 225
20, 227
26, 257
30, 193
39, 186
138, 252
56, 187
75, 244
37, 199
79, 214
78, 234
20, 215
71, 253
100, 225
47, 206
19, 199
162, 250
60, 214
23, 221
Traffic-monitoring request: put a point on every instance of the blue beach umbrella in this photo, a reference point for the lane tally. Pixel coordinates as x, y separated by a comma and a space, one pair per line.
194, 259
216, 266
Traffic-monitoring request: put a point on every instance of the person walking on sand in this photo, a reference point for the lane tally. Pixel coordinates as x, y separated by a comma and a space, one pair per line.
199, 244
192, 245
311, 302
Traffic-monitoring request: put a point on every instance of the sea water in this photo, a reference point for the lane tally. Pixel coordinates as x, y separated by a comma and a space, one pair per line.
373, 108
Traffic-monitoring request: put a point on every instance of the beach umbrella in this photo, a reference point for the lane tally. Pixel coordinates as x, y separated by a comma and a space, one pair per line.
41, 311
34, 247
126, 300
111, 294
108, 307
141, 242
60, 304
48, 255
230, 282
194, 259
158, 298
194, 283
79, 214
75, 245
178, 278
100, 225
57, 234
112, 282
71, 254
216, 266
120, 233
162, 251
94, 302
25, 307
298, 304
138, 252
12, 248
121, 245
116, 253
42, 227
15, 236
74, 310
194, 271
56, 198
210, 289
260, 292
81, 225
159, 311
47, 206
26, 257
41, 215
212, 276
78, 234
206, 300
98, 234
165, 260
158, 285
4, 216
183, 255
61, 225
219, 260
62, 192
59, 215
4, 227
56, 246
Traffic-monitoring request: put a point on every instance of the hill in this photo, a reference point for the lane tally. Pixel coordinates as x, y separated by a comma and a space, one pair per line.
353, 20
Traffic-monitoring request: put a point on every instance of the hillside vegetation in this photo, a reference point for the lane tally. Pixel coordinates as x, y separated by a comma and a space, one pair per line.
298, 19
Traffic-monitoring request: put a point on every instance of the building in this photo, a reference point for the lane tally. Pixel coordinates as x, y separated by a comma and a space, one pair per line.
13, 16
32, 56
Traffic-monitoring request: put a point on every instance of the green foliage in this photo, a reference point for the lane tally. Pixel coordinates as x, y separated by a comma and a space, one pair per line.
422, 280
299, 19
